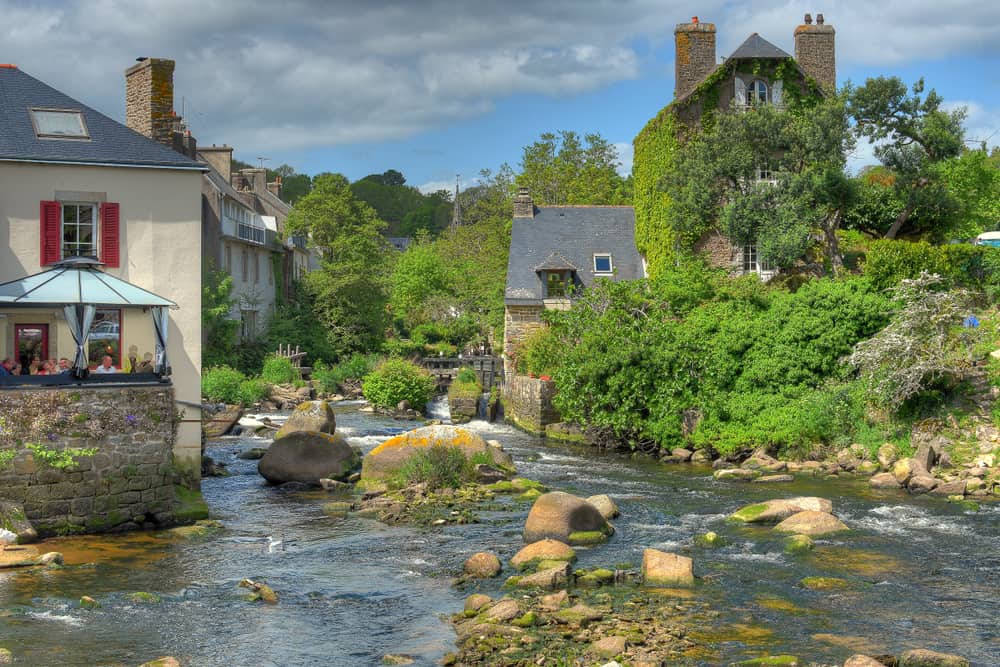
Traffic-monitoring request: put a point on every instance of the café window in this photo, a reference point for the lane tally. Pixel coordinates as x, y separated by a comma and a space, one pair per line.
105, 337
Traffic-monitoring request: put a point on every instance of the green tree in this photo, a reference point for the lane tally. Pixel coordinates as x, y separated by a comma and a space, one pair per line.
419, 276
973, 180
561, 169
350, 286
913, 136
218, 329
391, 198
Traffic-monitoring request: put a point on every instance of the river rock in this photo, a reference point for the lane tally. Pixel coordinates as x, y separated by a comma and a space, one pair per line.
51, 558
779, 509
502, 611
165, 661
547, 549
926, 455
548, 579
921, 483
553, 601
660, 568
954, 488
681, 454
921, 657
740, 474
604, 505
608, 647
482, 565
6, 657
811, 523
477, 601
558, 515
886, 457
316, 416
903, 470
13, 518
774, 479
386, 459
252, 454
308, 457
884, 480
217, 424
862, 661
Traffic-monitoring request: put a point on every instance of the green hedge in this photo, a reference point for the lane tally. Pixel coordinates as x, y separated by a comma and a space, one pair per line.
279, 370
961, 264
396, 380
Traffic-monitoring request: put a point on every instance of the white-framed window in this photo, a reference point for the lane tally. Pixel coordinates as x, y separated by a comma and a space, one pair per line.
757, 93
752, 262
79, 229
602, 263
59, 124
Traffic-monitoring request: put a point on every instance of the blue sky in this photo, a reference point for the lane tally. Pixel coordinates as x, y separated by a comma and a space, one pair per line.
436, 88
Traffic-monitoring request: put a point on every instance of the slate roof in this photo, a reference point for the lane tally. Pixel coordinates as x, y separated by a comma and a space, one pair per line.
570, 234
110, 142
756, 46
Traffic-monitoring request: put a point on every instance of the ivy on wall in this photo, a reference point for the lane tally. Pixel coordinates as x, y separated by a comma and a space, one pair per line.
657, 144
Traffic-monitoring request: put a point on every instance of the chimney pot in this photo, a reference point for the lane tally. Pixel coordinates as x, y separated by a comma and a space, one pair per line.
819, 19
808, 19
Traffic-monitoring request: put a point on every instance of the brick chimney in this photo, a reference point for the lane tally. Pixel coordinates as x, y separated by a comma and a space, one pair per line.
252, 179
694, 54
275, 187
524, 206
220, 158
149, 99
815, 52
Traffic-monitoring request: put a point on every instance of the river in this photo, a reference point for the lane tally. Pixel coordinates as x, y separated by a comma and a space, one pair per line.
924, 573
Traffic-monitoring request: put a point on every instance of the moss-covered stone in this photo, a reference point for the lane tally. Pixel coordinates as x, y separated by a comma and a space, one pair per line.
87, 602
529, 619
749, 513
189, 505
583, 537
709, 540
825, 583
142, 597
798, 544
529, 496
772, 661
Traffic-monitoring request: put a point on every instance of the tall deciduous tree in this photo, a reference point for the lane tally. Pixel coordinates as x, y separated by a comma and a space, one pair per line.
913, 136
561, 169
350, 286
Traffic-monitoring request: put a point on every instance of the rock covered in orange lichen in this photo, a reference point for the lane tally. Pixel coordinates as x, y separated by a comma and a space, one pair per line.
386, 459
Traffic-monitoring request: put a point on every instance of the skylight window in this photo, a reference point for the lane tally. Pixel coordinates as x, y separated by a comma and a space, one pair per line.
59, 124
602, 263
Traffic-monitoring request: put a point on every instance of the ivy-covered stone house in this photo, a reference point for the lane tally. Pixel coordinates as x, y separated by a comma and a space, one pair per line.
756, 73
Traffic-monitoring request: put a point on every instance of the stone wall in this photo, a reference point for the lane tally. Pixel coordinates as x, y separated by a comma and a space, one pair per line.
719, 252
121, 476
528, 403
519, 323
149, 99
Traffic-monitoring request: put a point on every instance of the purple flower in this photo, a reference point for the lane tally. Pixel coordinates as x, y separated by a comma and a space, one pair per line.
52, 437
131, 419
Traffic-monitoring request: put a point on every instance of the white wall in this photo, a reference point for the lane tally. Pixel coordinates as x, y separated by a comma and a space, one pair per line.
160, 251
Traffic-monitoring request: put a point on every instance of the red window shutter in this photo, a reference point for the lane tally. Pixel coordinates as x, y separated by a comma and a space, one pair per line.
50, 232
109, 235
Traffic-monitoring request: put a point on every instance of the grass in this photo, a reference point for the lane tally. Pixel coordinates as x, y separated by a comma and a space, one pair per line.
438, 466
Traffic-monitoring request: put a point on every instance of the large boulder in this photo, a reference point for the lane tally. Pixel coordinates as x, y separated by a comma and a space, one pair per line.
604, 505
13, 518
860, 660
660, 568
884, 480
560, 516
813, 524
550, 579
779, 509
385, 460
308, 457
922, 483
542, 550
217, 424
316, 416
921, 657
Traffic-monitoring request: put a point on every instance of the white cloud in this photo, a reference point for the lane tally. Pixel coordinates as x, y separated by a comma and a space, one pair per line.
433, 186
625, 153
981, 124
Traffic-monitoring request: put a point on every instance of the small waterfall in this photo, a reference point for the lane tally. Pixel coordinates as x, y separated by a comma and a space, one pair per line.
437, 408
483, 407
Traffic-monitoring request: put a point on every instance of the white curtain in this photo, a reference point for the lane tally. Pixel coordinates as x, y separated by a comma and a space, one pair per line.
80, 318
741, 93
161, 322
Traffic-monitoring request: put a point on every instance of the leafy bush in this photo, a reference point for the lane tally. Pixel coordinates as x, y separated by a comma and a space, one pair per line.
439, 467
467, 375
222, 383
253, 390
961, 265
403, 348
541, 352
279, 370
465, 385
354, 368
396, 380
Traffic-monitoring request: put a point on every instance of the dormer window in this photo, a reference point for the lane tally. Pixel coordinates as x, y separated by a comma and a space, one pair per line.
59, 124
757, 93
557, 283
602, 264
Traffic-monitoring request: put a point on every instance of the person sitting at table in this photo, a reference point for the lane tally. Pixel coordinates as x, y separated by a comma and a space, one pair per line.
146, 365
34, 366
6, 366
64, 368
132, 361
107, 365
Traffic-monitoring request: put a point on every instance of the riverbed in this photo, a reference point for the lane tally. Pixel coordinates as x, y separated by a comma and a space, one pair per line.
922, 572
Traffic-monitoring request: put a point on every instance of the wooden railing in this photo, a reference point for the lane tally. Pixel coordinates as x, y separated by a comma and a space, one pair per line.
488, 369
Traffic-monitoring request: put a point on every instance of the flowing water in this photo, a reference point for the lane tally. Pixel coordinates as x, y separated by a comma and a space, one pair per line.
923, 573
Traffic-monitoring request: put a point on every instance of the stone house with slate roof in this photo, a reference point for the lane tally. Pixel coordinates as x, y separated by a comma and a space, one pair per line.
757, 72
75, 182
555, 250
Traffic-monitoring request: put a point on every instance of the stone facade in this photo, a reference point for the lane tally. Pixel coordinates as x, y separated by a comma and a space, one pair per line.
519, 323
128, 483
528, 403
149, 99
695, 54
815, 52
719, 251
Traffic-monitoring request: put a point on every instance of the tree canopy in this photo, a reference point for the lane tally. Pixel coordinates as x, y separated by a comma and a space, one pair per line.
561, 169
